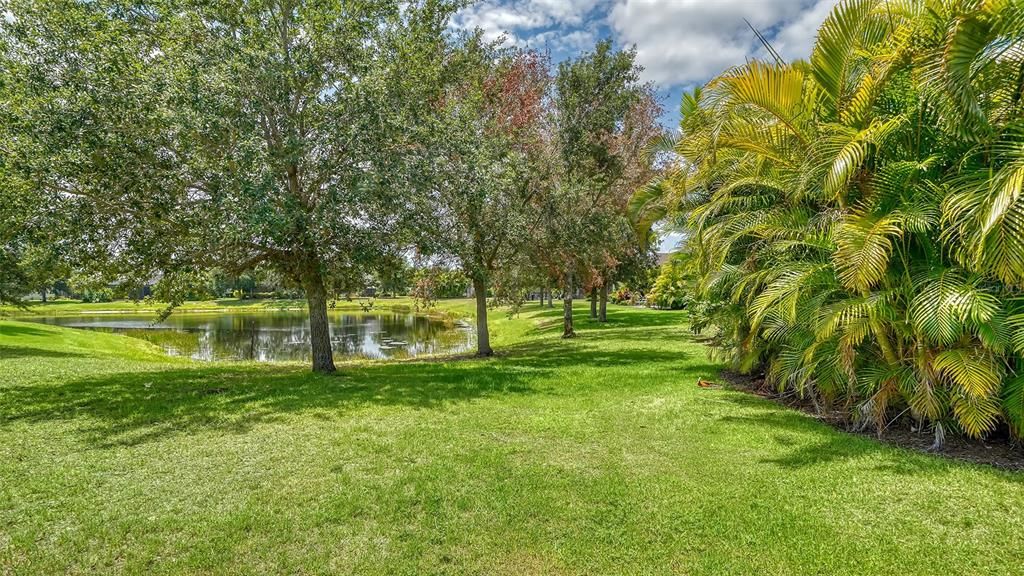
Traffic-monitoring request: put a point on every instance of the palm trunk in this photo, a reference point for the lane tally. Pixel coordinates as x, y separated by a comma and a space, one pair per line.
593, 303
568, 331
883, 343
603, 312
319, 328
483, 337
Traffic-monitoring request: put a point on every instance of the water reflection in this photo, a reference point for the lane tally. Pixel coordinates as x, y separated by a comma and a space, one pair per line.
268, 337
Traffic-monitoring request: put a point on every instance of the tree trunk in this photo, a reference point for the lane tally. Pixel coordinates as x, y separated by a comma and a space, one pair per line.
483, 337
568, 331
42, 292
319, 328
551, 297
603, 313
593, 303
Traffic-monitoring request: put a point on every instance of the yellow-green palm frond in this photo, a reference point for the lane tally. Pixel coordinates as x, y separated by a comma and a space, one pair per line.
782, 92
1013, 402
947, 303
864, 246
984, 214
843, 40
651, 204
851, 151
975, 378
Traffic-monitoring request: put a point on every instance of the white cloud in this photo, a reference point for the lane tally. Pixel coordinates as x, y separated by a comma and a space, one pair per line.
561, 41
520, 20
679, 42
682, 42
796, 39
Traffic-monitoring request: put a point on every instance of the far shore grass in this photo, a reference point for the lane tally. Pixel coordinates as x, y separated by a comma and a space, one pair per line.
146, 306
597, 455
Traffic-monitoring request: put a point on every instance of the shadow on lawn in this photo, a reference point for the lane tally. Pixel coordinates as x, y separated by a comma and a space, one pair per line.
812, 443
21, 329
16, 352
131, 408
136, 407
549, 321
835, 445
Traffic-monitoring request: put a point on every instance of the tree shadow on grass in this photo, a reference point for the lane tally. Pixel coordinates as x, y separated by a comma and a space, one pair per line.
834, 445
21, 329
137, 407
821, 444
132, 408
581, 352
17, 352
618, 317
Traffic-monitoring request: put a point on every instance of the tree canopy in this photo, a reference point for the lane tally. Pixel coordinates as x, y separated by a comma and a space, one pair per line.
179, 137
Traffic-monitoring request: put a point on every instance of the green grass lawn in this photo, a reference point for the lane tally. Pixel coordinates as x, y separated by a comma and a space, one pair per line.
592, 456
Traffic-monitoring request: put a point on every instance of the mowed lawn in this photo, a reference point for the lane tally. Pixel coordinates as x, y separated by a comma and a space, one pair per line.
592, 456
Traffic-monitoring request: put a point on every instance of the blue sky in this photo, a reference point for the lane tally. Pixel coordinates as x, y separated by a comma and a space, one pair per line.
680, 43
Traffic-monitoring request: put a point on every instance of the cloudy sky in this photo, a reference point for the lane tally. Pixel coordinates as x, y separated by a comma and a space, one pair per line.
680, 43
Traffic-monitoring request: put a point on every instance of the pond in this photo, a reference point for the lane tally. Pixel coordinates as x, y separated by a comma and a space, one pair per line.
281, 335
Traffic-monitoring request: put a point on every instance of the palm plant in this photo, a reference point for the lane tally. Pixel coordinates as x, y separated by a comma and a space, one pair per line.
856, 220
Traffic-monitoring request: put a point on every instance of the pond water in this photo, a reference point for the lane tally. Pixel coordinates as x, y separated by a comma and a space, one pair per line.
281, 335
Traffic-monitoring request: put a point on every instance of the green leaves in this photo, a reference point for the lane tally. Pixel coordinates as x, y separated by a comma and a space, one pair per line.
858, 220
863, 247
946, 304
975, 377
984, 212
836, 49
181, 137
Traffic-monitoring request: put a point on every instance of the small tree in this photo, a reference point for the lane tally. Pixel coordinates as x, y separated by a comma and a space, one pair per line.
486, 174
603, 119
394, 275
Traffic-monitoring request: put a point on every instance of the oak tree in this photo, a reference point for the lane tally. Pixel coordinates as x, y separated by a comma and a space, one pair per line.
185, 136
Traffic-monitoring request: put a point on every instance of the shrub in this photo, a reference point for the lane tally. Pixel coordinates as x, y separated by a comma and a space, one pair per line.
671, 287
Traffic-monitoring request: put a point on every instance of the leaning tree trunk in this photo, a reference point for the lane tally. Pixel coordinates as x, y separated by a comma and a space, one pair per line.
603, 313
568, 331
319, 328
593, 303
483, 337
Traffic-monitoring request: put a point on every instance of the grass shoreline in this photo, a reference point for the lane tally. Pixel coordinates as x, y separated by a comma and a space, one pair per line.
595, 455
73, 307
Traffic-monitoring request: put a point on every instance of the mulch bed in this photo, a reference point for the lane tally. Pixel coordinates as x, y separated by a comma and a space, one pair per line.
999, 450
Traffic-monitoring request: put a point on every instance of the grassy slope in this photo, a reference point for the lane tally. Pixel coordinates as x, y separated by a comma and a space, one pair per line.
593, 456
